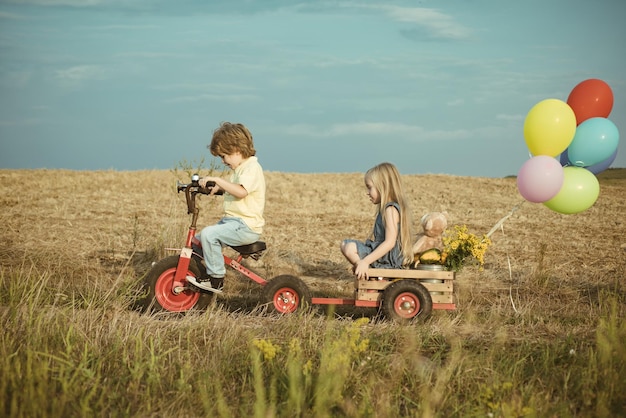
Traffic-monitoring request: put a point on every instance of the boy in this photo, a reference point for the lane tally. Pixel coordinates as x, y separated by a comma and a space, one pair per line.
244, 202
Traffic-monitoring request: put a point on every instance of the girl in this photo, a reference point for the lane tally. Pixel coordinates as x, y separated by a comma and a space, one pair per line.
390, 245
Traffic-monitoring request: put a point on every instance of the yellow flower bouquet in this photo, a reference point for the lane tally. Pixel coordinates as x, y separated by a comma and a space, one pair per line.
460, 244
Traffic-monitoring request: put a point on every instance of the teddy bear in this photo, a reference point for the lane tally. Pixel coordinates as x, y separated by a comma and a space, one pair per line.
434, 224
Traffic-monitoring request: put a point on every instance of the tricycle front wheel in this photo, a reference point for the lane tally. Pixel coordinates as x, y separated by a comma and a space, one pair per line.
165, 295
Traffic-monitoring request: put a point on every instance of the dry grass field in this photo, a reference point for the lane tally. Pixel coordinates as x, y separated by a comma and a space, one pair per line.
73, 245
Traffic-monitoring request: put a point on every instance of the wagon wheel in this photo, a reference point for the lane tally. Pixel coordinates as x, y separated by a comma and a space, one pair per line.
286, 294
405, 300
164, 296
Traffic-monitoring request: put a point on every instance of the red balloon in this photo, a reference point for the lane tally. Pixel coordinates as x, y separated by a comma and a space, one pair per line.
591, 98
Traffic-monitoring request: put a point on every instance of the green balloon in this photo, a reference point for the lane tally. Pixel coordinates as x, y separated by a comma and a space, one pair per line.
579, 192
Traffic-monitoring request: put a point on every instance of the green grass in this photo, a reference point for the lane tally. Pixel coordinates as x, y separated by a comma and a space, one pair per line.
70, 350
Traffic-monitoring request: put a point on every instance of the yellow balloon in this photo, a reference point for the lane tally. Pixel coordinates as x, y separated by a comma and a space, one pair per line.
549, 127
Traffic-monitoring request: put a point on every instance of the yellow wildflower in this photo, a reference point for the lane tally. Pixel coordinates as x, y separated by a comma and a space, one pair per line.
461, 244
266, 348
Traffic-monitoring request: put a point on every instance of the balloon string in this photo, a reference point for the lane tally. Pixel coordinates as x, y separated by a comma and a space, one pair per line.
501, 221
508, 259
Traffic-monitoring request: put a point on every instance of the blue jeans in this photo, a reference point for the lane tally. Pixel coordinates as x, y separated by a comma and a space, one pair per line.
227, 231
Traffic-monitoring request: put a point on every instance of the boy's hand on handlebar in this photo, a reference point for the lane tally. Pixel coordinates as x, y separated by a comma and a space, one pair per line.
210, 184
203, 181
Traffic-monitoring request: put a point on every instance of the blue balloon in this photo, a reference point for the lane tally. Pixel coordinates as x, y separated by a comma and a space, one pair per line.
564, 159
595, 168
595, 141
603, 165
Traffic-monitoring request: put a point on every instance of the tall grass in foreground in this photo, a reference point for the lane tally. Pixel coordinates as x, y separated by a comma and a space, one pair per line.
79, 350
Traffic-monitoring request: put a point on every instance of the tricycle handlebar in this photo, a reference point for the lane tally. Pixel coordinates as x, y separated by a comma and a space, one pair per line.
192, 189
195, 186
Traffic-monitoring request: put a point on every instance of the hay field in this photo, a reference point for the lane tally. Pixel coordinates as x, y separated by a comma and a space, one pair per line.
106, 219
547, 276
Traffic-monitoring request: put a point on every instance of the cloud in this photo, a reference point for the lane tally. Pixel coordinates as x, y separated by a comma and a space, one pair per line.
373, 128
456, 102
346, 129
513, 118
355, 129
231, 98
10, 16
168, 7
74, 3
207, 87
407, 132
430, 23
216, 92
149, 55
80, 73
16, 78
20, 122
117, 27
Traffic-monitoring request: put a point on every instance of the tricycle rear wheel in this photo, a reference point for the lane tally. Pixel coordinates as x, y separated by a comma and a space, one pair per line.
286, 294
405, 300
160, 286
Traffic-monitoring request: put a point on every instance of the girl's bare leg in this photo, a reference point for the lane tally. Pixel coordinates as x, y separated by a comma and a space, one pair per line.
349, 251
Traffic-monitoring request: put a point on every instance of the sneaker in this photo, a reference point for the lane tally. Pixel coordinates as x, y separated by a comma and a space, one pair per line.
204, 284
217, 283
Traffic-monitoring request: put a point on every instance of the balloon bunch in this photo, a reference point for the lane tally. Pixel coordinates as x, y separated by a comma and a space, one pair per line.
579, 133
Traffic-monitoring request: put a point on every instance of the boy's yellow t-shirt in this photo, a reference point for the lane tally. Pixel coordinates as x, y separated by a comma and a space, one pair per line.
250, 209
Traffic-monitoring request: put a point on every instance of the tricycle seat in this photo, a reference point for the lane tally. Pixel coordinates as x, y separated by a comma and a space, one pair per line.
255, 247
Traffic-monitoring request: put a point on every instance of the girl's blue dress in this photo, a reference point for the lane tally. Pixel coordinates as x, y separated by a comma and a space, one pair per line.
393, 259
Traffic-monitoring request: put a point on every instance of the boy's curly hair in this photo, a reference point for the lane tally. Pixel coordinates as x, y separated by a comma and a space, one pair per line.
230, 138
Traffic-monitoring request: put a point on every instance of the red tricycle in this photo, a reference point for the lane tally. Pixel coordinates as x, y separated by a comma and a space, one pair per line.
401, 294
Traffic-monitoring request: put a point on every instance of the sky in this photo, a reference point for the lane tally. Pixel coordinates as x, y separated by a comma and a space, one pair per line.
435, 87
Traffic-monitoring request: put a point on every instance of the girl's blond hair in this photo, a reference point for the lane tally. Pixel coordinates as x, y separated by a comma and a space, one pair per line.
386, 178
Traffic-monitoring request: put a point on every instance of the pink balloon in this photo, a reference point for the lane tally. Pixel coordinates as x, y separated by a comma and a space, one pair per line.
540, 178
